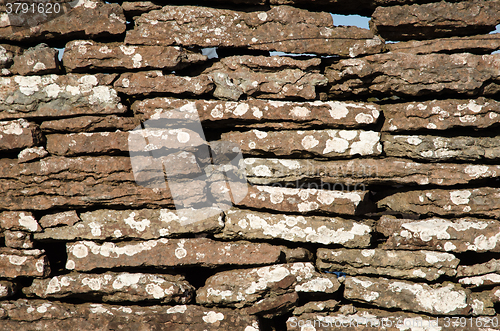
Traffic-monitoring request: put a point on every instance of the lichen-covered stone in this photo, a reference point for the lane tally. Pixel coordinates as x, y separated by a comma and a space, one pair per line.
89, 124
23, 263
437, 148
322, 143
38, 60
462, 202
283, 28
450, 235
67, 218
18, 239
480, 281
491, 266
19, 221
83, 55
18, 134
163, 253
247, 224
7, 54
136, 8
316, 306
425, 265
31, 153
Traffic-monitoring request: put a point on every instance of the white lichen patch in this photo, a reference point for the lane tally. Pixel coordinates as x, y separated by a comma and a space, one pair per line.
487, 279
437, 228
460, 197
213, 317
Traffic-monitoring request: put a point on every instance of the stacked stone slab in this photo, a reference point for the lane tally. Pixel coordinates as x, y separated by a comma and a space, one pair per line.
346, 182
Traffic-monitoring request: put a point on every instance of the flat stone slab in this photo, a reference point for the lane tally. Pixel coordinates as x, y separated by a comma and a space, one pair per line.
462, 202
23, 263
424, 265
114, 287
256, 113
442, 299
319, 143
306, 200
31, 153
491, 266
67, 218
18, 239
19, 221
436, 148
58, 96
283, 28
38, 60
450, 235
53, 315
480, 281
250, 225
18, 134
163, 253
107, 224
89, 124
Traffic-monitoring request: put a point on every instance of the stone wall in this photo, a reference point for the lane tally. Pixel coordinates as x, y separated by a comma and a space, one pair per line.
370, 195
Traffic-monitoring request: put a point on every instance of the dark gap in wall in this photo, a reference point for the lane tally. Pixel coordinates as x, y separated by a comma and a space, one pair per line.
473, 257
56, 254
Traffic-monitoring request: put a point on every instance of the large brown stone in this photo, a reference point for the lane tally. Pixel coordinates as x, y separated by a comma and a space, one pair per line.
88, 19
31, 153
37, 60
151, 82
106, 224
437, 148
323, 143
163, 253
424, 265
283, 28
247, 224
57, 96
256, 113
114, 287
83, 55
441, 114
266, 77
455, 235
306, 200
433, 20
439, 299
475, 201
23, 263
18, 239
19, 221
18, 134
63, 218
404, 74
89, 124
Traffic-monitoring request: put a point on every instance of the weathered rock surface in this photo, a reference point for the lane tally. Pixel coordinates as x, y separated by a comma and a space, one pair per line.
323, 143
7, 54
404, 74
482, 303
115, 287
88, 19
441, 114
283, 28
245, 287
259, 113
425, 265
162, 253
480, 281
150, 82
7, 289
89, 124
18, 239
53, 315
306, 200
266, 77
67, 218
38, 60
31, 153
136, 8
19, 221
317, 306
247, 224
83, 55
106, 224
437, 148
455, 235
433, 20
492, 265
56, 96
23, 263
273, 306
18, 134
442, 299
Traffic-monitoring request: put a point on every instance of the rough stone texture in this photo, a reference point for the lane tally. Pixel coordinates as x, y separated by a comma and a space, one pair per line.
424, 265
455, 235
136, 8
437, 148
18, 239
404, 74
18, 134
481, 44
23, 263
31, 153
88, 19
114, 287
482, 303
283, 28
441, 299
150, 82
162, 253
55, 96
67, 218
90, 123
441, 114
260, 113
7, 289
273, 306
83, 55
324, 143
304, 200
480, 281
240, 288
264, 77
492, 265
37, 60
52, 315
106, 224
19, 221
247, 224
317, 306
7, 54
435, 20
